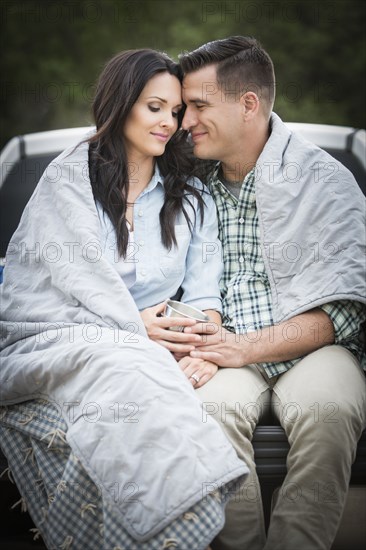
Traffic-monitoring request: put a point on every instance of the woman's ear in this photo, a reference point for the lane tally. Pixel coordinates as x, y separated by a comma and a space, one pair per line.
250, 105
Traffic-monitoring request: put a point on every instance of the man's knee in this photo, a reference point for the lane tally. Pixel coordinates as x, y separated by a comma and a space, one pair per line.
235, 396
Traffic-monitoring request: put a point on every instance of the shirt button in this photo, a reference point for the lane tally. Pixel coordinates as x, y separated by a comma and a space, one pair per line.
241, 220
143, 272
241, 259
140, 213
141, 243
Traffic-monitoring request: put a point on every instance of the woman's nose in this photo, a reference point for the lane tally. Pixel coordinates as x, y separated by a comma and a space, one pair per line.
169, 121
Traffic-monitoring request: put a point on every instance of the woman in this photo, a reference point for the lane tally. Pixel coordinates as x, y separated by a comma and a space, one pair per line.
101, 428
151, 212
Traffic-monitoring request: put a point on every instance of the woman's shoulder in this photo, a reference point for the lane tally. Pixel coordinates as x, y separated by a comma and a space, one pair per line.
69, 169
74, 153
197, 184
208, 201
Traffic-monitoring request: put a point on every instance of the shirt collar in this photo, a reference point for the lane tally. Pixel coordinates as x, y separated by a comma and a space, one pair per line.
214, 179
157, 179
217, 186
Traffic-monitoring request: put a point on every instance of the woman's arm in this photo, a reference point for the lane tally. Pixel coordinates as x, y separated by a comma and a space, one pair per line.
203, 269
204, 264
214, 316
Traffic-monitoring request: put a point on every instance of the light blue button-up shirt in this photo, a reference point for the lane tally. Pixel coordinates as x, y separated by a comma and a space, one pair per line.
195, 264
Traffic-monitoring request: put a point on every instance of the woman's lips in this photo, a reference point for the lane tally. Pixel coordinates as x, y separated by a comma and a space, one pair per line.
160, 137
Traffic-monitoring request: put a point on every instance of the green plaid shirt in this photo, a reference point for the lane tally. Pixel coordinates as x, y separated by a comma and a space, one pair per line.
245, 288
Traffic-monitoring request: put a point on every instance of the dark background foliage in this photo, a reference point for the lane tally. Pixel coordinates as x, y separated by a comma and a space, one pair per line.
53, 51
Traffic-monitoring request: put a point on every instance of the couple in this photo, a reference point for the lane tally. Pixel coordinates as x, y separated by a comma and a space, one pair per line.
290, 339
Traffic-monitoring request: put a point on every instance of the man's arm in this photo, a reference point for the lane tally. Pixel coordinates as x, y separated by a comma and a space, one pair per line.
291, 339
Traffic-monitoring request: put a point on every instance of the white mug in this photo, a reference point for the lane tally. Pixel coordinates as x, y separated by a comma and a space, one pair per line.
179, 309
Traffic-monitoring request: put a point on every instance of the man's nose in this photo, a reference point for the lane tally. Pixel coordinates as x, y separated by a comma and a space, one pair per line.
189, 119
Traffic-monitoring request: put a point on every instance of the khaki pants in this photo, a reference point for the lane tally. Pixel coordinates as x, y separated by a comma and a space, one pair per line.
321, 404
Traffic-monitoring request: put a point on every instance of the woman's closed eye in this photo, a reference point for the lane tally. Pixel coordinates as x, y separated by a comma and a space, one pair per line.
154, 109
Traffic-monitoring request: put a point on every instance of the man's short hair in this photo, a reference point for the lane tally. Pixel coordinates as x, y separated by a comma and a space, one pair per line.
242, 66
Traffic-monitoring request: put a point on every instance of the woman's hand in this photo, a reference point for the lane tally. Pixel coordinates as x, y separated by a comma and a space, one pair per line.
198, 371
157, 329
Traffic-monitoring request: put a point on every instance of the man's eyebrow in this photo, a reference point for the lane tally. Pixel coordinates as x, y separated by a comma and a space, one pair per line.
198, 100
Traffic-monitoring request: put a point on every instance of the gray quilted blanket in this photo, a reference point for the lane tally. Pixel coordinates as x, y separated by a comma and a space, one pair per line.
72, 335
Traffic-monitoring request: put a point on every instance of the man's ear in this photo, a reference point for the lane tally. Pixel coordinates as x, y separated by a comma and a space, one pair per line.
250, 105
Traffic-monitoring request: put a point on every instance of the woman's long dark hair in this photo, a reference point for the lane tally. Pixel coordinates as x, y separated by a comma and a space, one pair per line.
119, 86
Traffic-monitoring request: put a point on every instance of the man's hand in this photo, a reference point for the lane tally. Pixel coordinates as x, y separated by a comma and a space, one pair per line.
288, 340
218, 345
197, 371
157, 329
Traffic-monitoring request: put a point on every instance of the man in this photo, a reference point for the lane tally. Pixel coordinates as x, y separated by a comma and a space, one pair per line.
291, 220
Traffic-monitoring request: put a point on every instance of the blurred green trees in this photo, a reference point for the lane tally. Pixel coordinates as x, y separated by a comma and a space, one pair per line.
53, 51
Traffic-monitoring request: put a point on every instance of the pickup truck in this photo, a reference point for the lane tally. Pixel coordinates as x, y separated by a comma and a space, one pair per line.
22, 162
